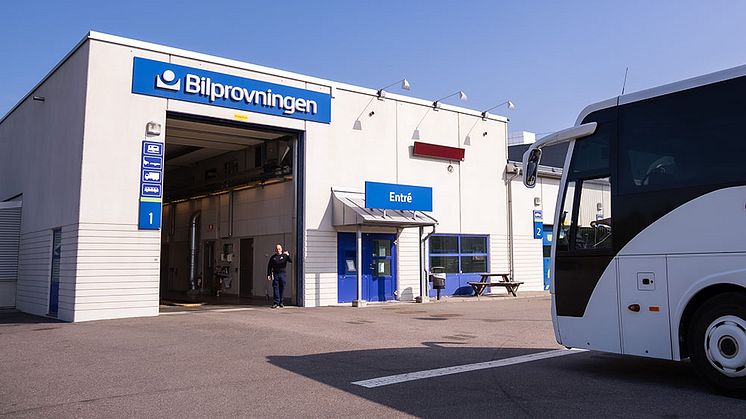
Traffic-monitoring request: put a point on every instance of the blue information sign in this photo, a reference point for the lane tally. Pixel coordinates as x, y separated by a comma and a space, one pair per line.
150, 215
151, 148
538, 224
151, 185
157, 78
150, 162
398, 197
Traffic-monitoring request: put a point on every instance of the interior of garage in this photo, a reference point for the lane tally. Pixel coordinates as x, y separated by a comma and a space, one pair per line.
229, 196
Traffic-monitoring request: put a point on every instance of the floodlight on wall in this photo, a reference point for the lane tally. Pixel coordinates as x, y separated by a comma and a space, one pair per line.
461, 95
152, 129
436, 105
358, 124
510, 104
404, 85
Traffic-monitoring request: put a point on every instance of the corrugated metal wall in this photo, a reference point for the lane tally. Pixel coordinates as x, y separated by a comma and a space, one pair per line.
10, 234
409, 264
320, 267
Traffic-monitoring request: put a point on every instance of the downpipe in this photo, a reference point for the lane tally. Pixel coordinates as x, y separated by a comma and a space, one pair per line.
193, 248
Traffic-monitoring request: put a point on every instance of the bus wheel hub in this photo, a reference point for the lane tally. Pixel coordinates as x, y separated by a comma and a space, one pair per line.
724, 339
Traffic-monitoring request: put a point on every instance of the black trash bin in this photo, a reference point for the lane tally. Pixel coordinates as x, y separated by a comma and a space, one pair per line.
438, 278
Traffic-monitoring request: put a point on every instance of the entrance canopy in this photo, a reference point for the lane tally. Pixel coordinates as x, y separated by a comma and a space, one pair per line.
349, 209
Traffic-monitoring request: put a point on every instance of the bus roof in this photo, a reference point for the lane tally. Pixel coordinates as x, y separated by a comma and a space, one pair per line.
665, 89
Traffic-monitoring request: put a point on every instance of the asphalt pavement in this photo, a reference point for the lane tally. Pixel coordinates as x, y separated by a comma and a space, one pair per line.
304, 362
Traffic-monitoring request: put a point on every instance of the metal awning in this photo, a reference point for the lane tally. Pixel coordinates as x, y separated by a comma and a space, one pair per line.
348, 208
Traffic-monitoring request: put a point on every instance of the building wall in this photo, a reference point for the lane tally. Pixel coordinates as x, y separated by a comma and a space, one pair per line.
41, 145
111, 269
527, 251
470, 199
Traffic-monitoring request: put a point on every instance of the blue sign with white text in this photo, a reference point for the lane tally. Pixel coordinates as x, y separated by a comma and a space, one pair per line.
151, 185
157, 78
155, 163
150, 190
398, 197
151, 176
151, 148
538, 224
150, 215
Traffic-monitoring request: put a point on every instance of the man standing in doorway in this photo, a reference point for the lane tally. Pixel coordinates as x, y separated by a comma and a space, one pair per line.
276, 273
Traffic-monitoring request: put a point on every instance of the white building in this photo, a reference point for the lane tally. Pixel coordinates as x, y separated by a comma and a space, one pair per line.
144, 172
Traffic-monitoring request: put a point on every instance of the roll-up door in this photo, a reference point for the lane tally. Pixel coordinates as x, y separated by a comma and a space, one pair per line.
10, 233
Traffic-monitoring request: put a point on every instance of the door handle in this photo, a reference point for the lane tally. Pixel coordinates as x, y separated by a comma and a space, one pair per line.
634, 307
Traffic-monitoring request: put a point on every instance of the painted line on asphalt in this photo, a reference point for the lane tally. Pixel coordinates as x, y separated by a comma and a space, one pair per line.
439, 372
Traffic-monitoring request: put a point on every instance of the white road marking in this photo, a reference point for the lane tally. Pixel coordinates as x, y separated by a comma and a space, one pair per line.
439, 372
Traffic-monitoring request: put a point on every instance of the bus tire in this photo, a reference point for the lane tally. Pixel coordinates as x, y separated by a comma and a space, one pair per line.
717, 343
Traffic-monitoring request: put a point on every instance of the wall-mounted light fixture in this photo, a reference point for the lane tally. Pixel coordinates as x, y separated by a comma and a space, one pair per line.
537, 201
510, 104
436, 106
599, 206
461, 95
152, 129
404, 85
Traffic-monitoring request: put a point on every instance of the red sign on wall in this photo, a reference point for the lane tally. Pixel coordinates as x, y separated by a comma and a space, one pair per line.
438, 151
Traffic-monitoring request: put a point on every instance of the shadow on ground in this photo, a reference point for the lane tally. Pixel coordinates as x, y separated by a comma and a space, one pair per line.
12, 318
585, 384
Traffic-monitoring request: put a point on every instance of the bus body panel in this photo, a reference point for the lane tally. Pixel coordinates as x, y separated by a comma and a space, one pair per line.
602, 309
643, 306
690, 274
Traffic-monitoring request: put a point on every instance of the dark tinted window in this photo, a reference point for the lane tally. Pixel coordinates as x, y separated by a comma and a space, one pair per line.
690, 138
473, 264
591, 154
444, 244
448, 263
473, 244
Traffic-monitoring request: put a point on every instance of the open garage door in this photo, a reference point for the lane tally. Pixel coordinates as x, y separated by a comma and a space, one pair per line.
230, 196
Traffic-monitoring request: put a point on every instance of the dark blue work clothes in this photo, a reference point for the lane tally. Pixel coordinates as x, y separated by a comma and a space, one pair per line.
277, 267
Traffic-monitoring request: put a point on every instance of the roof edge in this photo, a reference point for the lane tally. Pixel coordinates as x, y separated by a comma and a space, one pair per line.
47, 76
678, 86
119, 40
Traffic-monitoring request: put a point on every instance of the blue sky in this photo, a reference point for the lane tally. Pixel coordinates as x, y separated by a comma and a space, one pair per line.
550, 57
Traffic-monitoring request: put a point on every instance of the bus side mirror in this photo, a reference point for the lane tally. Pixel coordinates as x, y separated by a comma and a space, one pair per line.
531, 167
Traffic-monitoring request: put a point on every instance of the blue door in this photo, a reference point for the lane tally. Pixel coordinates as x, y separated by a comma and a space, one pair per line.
346, 268
378, 256
54, 279
547, 249
378, 267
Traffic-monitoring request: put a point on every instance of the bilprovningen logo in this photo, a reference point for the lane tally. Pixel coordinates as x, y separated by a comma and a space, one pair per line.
166, 81
216, 91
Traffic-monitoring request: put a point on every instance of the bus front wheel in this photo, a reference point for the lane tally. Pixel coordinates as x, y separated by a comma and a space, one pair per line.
717, 342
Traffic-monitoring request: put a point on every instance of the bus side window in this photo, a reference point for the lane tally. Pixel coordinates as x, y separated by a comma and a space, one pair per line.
594, 215
563, 229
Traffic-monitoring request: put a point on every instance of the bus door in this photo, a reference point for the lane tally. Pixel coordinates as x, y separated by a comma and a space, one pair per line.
585, 272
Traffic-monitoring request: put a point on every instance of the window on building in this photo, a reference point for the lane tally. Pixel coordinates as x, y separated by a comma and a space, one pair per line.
459, 254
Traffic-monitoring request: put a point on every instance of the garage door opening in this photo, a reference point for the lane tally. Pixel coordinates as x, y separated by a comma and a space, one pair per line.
229, 196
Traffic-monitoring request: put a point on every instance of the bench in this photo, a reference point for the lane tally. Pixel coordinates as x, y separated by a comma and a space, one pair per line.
505, 281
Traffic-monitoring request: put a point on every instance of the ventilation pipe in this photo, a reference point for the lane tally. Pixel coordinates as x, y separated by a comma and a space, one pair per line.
193, 248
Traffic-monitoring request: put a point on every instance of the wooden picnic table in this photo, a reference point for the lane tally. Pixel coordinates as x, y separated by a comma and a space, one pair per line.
505, 281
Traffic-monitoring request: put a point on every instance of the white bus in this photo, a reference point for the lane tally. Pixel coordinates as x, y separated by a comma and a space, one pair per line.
660, 270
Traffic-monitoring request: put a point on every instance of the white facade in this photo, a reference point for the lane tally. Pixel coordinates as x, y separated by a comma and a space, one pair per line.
73, 159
